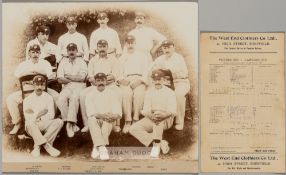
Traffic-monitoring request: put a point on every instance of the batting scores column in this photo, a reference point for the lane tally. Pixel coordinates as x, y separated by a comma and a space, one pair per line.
242, 102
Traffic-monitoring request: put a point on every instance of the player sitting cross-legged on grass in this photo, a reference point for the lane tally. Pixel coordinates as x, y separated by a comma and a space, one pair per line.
39, 116
159, 110
103, 109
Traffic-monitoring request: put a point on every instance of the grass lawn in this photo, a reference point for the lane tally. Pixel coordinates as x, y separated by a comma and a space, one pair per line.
80, 146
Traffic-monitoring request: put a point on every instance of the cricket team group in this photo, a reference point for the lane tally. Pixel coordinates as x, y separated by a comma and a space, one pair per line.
125, 83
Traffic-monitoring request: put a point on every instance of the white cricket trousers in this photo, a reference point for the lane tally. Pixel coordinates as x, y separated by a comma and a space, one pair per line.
133, 99
50, 128
68, 103
181, 89
145, 130
99, 131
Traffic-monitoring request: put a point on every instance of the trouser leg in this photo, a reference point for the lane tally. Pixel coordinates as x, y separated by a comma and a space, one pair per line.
181, 89
95, 131
118, 91
142, 130
82, 97
52, 129
138, 100
127, 102
34, 131
63, 104
13, 101
106, 129
55, 96
73, 106
158, 131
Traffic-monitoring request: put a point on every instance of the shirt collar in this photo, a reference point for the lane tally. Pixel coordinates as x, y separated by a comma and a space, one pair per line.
100, 91
72, 62
104, 58
30, 61
73, 33
140, 28
106, 28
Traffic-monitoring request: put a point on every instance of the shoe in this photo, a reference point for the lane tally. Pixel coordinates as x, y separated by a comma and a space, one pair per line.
126, 128
95, 152
164, 145
155, 151
179, 126
36, 151
51, 150
15, 129
103, 153
116, 128
84, 129
75, 128
70, 131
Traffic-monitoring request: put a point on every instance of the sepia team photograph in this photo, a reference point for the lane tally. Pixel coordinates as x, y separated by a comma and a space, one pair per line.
106, 87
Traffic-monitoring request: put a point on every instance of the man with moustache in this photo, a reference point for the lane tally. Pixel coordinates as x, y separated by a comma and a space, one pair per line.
49, 51
132, 81
39, 117
175, 62
72, 36
104, 32
31, 66
159, 111
148, 40
107, 64
71, 74
103, 109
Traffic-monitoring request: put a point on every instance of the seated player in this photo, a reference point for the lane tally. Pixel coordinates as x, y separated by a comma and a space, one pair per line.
159, 110
39, 116
71, 74
103, 109
101, 63
176, 64
34, 65
134, 65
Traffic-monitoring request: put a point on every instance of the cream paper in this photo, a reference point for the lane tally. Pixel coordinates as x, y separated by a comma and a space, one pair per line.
242, 102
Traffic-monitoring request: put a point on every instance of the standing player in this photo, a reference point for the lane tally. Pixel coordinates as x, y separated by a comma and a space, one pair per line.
105, 33
101, 63
39, 117
176, 64
159, 111
71, 73
132, 81
72, 36
103, 110
49, 51
148, 40
32, 66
